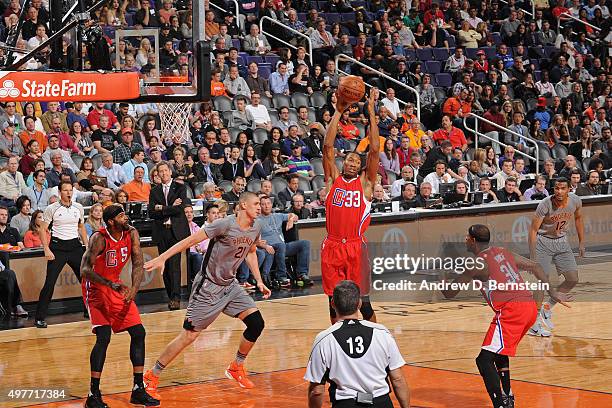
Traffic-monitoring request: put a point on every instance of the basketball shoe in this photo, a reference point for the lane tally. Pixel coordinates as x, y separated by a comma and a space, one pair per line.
546, 315
140, 396
538, 330
236, 372
95, 401
151, 382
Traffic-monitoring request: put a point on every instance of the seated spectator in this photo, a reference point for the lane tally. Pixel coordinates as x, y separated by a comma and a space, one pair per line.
510, 192
21, 220
484, 186
591, 187
8, 234
575, 178
462, 187
389, 158
217, 87
233, 166
424, 194
31, 133
12, 184
519, 142
438, 176
38, 193
138, 189
570, 165
103, 138
10, 144
106, 197
181, 168
299, 164
406, 176
379, 195
292, 188
136, 160
255, 43
123, 152
279, 80
259, 112
346, 128
10, 295
253, 168
322, 43
65, 141
507, 170
113, 172
276, 249
31, 238
57, 170
284, 122
203, 169
301, 81
314, 142
298, 207
538, 191
450, 133
256, 83
408, 194
238, 186
455, 62
96, 114
319, 202
94, 219
26, 163
66, 159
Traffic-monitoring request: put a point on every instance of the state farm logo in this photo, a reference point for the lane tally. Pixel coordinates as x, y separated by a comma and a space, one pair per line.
8, 90
47, 89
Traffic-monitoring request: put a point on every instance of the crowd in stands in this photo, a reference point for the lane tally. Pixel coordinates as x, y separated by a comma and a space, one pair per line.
263, 130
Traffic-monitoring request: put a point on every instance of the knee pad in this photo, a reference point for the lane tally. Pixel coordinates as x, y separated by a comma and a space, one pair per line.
366, 308
137, 332
103, 335
254, 326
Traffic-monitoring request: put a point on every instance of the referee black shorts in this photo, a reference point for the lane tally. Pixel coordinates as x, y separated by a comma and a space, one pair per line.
384, 401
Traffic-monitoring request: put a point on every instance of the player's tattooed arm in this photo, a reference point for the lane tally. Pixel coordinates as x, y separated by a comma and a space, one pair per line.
96, 246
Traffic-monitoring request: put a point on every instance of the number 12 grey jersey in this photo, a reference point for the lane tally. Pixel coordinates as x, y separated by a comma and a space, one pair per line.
230, 246
556, 220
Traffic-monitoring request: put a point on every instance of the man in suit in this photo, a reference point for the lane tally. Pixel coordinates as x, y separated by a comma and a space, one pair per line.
519, 142
170, 226
238, 186
292, 189
314, 142
204, 169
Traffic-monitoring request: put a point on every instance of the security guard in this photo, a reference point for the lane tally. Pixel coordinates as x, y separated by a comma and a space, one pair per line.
356, 357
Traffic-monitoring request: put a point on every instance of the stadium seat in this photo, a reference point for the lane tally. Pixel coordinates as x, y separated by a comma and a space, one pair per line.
559, 151
253, 58
480, 77
469, 154
433, 67
585, 163
440, 54
490, 52
317, 182
391, 176
280, 100
299, 99
444, 80
234, 134
260, 135
317, 165
273, 113
225, 186
312, 114
496, 38
451, 41
198, 189
471, 53
332, 18
278, 184
265, 101
362, 129
4, 162
440, 93
253, 186
264, 71
97, 161
352, 145
272, 60
293, 114
317, 99
531, 104
236, 43
227, 117
189, 192
410, 54
424, 54
304, 184
222, 103
77, 159
544, 151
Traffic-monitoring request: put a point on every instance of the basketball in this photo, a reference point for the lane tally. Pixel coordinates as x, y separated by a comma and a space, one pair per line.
351, 89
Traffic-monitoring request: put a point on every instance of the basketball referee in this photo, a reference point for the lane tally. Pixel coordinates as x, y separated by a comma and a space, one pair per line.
357, 358
67, 225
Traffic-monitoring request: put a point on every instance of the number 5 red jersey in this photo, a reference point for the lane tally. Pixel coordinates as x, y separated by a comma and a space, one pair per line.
347, 210
116, 254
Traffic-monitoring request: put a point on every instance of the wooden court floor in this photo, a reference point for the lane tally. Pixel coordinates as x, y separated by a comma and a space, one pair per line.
438, 340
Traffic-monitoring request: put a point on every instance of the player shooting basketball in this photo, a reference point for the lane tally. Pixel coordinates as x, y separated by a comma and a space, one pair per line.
111, 303
344, 253
515, 310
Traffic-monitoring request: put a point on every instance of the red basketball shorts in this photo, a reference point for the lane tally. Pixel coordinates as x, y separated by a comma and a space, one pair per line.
345, 260
509, 326
107, 308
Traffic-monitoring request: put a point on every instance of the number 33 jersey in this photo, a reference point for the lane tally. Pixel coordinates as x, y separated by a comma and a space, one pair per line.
347, 210
228, 247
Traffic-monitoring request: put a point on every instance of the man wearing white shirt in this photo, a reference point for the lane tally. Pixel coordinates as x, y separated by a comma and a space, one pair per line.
113, 172
39, 194
12, 184
54, 147
137, 160
260, 115
437, 177
39, 38
391, 104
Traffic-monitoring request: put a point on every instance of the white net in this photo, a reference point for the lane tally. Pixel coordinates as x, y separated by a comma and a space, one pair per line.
175, 121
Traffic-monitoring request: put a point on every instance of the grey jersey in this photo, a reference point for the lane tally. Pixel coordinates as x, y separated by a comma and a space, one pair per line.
557, 220
228, 247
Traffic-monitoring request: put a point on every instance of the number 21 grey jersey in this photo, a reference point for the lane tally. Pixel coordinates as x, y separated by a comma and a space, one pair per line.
230, 246
556, 220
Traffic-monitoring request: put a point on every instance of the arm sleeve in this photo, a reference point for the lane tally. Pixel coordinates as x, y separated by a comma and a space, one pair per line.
48, 215
395, 357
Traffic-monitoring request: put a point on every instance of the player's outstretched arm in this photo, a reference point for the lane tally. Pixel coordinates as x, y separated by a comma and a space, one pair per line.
536, 222
400, 387
159, 261
580, 231
330, 171
95, 248
137, 265
536, 270
316, 392
373, 157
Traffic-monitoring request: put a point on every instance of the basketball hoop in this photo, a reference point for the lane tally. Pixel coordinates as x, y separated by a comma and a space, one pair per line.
175, 121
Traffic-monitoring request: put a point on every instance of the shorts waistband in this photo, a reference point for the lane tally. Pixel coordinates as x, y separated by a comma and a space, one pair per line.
344, 240
545, 236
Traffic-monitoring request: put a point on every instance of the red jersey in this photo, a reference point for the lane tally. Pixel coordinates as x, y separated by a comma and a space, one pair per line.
110, 263
347, 209
502, 269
